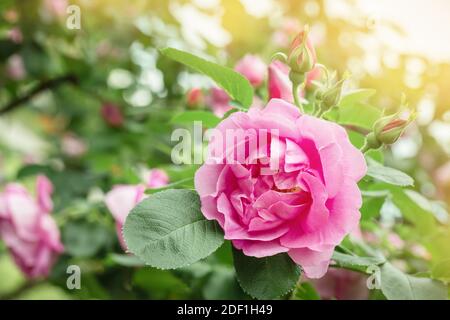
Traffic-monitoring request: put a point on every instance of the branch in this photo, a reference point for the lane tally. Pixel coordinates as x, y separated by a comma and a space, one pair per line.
357, 129
45, 85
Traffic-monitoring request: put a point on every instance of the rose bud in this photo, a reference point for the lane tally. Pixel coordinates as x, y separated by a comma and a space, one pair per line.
302, 55
27, 228
195, 98
112, 115
253, 68
389, 129
330, 94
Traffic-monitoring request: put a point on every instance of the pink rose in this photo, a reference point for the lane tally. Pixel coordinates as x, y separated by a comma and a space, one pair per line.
296, 192
120, 201
27, 228
253, 68
342, 284
280, 86
123, 198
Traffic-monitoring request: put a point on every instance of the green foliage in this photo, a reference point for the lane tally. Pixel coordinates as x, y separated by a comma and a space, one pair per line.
84, 239
345, 260
268, 277
397, 285
305, 291
388, 175
232, 82
356, 96
208, 119
168, 231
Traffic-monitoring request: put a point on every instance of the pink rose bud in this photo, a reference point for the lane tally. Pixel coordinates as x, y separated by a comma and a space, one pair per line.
112, 115
280, 86
219, 101
120, 201
27, 228
302, 55
294, 191
195, 98
389, 129
253, 68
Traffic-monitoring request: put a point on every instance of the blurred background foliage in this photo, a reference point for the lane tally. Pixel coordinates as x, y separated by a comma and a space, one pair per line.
55, 83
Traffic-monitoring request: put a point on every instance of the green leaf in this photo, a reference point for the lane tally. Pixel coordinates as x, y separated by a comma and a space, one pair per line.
343, 260
388, 175
441, 271
305, 291
359, 115
222, 285
268, 277
126, 260
168, 231
397, 285
160, 284
208, 119
236, 85
359, 95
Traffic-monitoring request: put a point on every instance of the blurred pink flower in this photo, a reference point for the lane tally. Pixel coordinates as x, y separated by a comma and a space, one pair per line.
73, 146
157, 178
123, 198
297, 193
27, 228
286, 31
342, 284
56, 7
395, 241
15, 68
219, 101
112, 115
253, 68
15, 35
120, 201
195, 97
